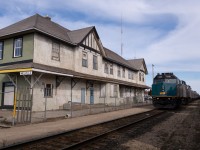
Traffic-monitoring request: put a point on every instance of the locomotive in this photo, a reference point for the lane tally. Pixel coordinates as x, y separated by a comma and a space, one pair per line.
170, 92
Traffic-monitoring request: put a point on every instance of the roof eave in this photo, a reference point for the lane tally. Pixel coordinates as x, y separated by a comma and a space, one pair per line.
30, 30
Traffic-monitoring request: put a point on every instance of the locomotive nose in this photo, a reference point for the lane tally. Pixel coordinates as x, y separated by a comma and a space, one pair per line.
163, 88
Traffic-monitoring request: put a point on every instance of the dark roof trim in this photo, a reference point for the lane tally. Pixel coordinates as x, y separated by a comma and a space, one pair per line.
89, 48
16, 62
32, 30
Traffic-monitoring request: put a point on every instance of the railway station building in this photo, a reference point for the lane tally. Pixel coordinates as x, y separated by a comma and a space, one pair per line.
42, 59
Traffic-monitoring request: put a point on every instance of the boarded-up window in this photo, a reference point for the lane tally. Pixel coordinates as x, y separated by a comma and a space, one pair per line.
55, 51
113, 90
102, 90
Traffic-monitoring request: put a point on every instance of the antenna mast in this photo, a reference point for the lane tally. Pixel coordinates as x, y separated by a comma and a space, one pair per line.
121, 37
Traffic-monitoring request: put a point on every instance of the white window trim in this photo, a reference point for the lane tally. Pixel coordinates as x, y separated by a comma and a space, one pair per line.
15, 47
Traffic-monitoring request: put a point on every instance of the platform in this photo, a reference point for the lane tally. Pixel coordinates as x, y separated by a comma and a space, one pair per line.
18, 134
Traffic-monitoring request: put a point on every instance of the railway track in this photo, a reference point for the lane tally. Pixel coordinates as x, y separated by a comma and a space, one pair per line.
84, 137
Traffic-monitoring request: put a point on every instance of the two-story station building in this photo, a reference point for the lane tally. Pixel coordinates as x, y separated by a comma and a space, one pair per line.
74, 65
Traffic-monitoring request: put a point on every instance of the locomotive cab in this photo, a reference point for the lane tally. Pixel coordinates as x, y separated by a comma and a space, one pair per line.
164, 91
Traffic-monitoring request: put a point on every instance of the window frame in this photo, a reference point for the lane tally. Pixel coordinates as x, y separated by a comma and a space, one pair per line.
140, 76
123, 72
106, 68
1, 50
14, 47
102, 90
84, 59
54, 51
95, 62
113, 91
118, 71
48, 94
111, 69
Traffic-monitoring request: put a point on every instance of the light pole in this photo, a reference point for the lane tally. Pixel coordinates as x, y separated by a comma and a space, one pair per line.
152, 71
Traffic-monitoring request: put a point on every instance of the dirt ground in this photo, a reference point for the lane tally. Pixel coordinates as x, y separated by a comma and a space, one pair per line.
181, 131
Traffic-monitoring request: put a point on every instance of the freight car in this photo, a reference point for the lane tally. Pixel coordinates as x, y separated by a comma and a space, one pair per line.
170, 92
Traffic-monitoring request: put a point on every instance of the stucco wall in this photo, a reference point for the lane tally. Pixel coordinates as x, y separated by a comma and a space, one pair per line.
43, 53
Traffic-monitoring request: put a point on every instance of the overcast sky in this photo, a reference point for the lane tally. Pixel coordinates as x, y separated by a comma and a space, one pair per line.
165, 33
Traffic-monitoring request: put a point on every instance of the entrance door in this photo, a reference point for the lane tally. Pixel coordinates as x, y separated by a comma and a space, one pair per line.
83, 95
8, 94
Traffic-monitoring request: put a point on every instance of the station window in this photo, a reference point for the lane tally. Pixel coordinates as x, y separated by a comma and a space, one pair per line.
118, 71
95, 62
1, 50
84, 59
18, 47
111, 68
48, 90
106, 68
123, 72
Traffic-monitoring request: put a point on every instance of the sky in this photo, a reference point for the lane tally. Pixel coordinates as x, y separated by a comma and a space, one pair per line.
166, 33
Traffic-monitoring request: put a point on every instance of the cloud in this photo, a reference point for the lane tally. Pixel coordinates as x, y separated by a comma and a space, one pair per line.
165, 33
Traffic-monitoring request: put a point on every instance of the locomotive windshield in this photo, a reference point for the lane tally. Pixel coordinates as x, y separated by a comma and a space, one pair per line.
165, 81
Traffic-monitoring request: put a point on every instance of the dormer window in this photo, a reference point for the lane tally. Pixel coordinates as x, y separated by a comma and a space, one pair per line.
18, 47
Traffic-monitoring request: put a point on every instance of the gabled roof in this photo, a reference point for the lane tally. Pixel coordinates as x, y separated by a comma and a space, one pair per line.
112, 56
40, 24
137, 64
77, 36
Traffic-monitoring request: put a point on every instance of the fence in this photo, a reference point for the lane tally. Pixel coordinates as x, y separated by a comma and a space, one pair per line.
77, 108
19, 102
59, 106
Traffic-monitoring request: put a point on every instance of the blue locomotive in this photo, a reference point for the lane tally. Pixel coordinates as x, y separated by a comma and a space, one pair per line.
170, 92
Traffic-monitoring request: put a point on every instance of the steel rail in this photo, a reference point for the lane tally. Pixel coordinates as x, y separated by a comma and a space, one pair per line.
90, 138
